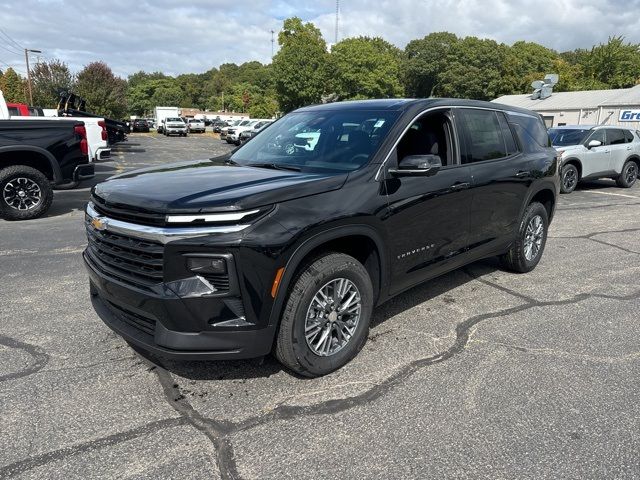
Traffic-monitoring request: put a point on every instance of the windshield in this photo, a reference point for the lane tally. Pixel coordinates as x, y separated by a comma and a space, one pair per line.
174, 120
336, 141
563, 137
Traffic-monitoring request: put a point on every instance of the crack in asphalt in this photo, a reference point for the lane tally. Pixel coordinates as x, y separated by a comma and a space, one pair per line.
589, 236
40, 357
591, 207
22, 466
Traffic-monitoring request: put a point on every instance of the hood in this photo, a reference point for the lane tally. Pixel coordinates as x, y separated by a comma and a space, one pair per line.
203, 186
570, 149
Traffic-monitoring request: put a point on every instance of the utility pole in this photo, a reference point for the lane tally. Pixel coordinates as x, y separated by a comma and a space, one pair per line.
337, 17
272, 32
26, 57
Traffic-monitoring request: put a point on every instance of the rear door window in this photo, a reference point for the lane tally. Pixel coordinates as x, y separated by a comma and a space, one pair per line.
615, 136
483, 133
531, 126
628, 136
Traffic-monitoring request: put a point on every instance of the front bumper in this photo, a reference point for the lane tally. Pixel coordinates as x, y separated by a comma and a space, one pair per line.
152, 321
175, 130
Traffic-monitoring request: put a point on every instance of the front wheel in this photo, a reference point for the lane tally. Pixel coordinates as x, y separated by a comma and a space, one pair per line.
629, 174
569, 178
25, 193
526, 251
325, 322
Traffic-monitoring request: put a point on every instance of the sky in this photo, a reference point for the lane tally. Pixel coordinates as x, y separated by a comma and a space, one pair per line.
192, 36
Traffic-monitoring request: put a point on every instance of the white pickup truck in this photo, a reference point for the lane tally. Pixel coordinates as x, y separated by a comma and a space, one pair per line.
96, 130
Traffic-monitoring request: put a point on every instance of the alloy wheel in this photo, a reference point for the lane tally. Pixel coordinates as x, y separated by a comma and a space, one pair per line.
631, 174
22, 193
569, 179
332, 317
533, 237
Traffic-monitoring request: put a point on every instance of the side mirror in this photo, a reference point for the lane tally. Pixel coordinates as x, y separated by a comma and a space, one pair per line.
594, 143
417, 165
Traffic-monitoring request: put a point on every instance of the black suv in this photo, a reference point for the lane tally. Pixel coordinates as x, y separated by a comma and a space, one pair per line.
289, 242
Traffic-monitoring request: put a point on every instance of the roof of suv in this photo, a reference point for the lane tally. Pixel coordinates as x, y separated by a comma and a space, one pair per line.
590, 127
402, 104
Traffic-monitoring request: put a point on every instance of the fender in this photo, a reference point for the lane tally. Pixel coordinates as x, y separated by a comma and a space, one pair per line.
544, 184
572, 160
310, 243
55, 167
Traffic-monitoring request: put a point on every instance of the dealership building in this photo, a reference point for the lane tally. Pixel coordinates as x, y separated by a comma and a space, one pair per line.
591, 107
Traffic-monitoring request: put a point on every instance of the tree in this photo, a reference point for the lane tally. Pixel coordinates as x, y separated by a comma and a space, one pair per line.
299, 67
365, 67
105, 93
474, 69
13, 86
424, 61
49, 79
615, 63
526, 62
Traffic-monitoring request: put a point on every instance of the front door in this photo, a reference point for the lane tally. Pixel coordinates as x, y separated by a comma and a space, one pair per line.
428, 217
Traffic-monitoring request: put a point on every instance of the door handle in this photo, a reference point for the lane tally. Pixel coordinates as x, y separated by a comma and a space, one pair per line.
460, 186
522, 174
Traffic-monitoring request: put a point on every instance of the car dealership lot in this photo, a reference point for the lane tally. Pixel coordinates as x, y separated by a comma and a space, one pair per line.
480, 373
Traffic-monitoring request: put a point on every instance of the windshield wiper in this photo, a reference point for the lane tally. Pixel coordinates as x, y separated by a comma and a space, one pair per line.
275, 166
228, 161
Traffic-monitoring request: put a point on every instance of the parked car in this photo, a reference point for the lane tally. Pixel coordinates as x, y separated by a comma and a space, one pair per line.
34, 155
247, 135
174, 126
196, 126
162, 113
219, 125
140, 125
235, 123
264, 250
233, 133
590, 152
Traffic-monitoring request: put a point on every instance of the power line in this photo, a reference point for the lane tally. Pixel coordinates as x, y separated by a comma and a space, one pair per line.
10, 51
20, 47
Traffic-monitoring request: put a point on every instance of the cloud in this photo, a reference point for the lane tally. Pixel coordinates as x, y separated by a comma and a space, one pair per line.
183, 37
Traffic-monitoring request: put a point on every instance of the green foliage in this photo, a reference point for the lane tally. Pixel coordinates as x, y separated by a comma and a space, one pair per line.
13, 86
365, 67
615, 64
105, 93
424, 61
300, 66
49, 79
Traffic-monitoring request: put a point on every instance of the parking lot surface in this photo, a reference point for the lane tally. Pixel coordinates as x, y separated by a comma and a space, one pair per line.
477, 374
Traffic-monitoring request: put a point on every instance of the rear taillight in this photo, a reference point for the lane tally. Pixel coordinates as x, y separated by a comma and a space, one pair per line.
104, 129
84, 146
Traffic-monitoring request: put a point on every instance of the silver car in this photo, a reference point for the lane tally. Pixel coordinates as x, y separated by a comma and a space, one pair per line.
589, 152
175, 126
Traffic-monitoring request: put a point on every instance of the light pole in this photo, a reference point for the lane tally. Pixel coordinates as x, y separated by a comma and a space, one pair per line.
26, 57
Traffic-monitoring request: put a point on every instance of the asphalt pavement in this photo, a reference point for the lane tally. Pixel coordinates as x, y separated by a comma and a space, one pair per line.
478, 374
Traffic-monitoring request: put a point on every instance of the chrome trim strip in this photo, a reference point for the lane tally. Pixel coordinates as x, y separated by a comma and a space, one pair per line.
209, 217
158, 234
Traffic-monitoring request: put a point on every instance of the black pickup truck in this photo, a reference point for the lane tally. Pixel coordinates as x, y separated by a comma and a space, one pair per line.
34, 156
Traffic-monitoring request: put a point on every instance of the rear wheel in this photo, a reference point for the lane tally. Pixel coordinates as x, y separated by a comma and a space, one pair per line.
569, 178
629, 174
325, 322
25, 193
526, 251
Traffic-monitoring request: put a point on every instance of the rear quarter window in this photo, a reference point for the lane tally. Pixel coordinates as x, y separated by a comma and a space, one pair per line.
531, 128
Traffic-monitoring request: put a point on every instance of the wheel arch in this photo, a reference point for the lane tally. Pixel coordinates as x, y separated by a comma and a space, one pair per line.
31, 156
576, 162
343, 239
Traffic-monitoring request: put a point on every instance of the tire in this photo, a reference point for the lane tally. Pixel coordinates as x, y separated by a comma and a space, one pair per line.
629, 175
569, 178
292, 348
30, 178
519, 258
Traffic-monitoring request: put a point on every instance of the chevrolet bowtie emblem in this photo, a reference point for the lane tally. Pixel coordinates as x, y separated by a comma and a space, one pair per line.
98, 223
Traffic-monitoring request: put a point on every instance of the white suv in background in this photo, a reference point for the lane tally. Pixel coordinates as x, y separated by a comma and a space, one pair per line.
596, 152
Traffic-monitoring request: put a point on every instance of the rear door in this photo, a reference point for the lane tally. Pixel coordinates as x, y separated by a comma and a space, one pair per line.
596, 160
500, 173
620, 149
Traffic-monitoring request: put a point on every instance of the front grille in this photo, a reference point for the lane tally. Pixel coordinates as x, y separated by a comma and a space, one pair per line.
144, 324
130, 260
128, 214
